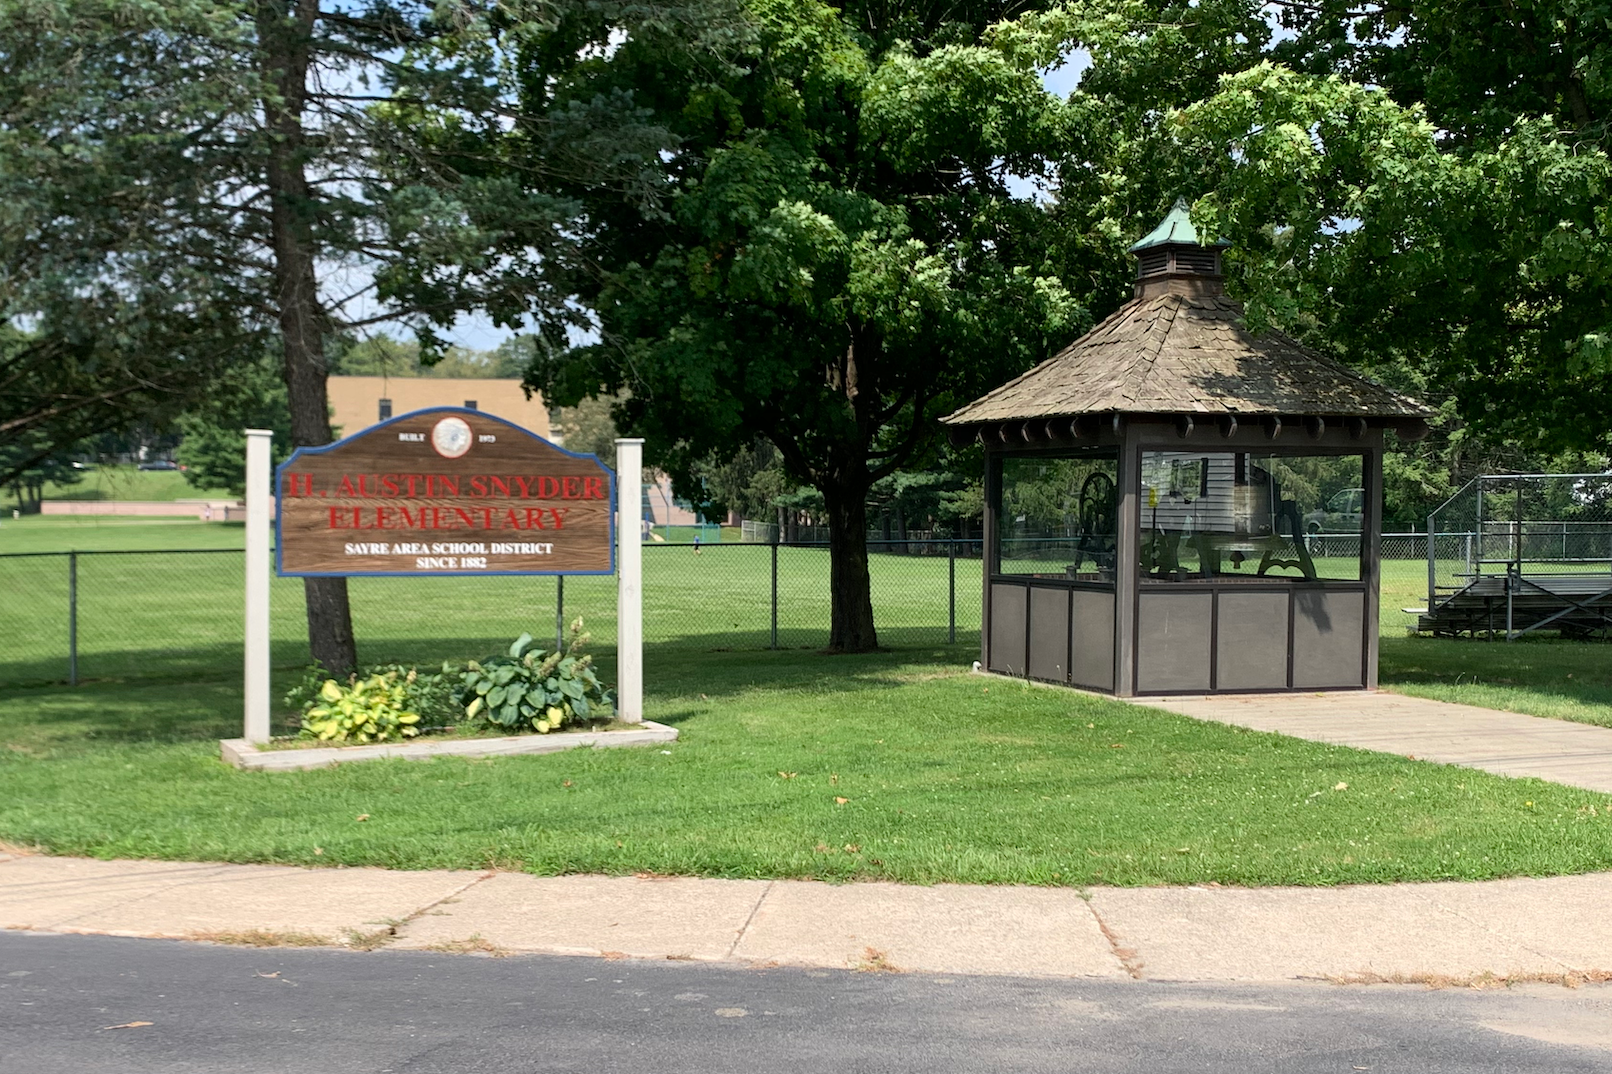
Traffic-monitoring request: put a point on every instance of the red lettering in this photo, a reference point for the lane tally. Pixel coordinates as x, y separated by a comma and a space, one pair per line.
593, 488
512, 519
347, 486
436, 519
381, 516
487, 518
335, 519
526, 487
389, 485
468, 519
478, 486
500, 485
571, 488
534, 518
358, 518
411, 478
299, 484
548, 488
411, 521
447, 481
559, 514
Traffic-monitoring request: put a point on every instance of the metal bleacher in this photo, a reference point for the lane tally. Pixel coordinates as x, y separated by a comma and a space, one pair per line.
1515, 604
1512, 554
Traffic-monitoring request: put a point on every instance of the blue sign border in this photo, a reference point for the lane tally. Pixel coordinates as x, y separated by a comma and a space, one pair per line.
279, 544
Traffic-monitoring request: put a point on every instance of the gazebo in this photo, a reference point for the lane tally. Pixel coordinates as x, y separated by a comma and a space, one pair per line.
1176, 505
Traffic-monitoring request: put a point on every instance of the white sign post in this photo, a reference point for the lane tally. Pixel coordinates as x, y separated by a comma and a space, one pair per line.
629, 581
257, 584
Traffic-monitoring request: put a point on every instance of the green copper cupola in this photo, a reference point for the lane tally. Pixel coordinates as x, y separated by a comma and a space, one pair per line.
1173, 249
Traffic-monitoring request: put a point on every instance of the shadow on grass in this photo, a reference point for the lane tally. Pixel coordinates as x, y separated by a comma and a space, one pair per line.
1573, 672
1545, 676
52, 719
198, 697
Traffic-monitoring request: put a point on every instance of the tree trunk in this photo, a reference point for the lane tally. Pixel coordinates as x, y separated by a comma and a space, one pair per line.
850, 588
285, 36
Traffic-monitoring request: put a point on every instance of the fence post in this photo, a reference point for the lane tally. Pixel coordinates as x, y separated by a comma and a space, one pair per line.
559, 612
951, 591
72, 618
775, 591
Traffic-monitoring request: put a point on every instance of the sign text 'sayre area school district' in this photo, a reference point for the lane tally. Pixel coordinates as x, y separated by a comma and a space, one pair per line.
444, 491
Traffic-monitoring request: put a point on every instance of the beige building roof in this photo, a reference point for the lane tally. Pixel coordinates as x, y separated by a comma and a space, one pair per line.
357, 402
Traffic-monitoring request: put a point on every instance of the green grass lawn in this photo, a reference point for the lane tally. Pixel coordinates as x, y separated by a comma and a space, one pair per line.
101, 533
945, 776
151, 615
1565, 680
896, 766
132, 483
1537, 675
165, 615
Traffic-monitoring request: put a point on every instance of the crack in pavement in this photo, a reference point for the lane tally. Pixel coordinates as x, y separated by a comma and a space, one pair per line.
745, 928
1128, 957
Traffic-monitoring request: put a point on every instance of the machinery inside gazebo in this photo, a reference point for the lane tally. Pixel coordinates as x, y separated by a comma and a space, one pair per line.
1150, 491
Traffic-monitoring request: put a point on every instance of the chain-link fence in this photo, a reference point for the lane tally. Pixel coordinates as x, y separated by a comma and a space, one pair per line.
1522, 552
77, 616
1522, 523
71, 616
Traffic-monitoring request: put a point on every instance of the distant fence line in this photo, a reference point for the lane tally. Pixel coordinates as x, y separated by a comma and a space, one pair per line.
71, 616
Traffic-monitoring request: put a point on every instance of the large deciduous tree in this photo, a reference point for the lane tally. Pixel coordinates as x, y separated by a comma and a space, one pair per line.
1425, 187
1420, 188
835, 255
184, 183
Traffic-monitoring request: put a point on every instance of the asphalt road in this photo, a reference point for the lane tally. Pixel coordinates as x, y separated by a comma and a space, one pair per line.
77, 1004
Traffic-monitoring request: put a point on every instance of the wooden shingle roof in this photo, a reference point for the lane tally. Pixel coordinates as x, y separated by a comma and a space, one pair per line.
1182, 348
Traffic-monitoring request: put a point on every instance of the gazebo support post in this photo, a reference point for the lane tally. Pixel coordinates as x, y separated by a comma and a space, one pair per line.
993, 492
1370, 566
1128, 552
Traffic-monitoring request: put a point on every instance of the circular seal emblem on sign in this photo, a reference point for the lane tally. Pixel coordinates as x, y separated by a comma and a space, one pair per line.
451, 437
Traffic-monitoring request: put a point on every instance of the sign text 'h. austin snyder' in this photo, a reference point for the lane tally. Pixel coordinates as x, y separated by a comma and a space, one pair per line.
444, 491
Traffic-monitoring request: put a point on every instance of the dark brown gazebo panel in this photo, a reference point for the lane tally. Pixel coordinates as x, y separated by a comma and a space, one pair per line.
1175, 378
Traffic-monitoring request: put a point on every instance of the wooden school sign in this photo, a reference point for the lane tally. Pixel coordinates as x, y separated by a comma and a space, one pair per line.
444, 491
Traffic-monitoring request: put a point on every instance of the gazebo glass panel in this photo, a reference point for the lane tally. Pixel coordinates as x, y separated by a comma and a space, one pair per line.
1058, 517
1257, 516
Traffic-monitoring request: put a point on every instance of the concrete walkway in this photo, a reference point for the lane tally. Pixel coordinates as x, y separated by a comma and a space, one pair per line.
1554, 928
1506, 743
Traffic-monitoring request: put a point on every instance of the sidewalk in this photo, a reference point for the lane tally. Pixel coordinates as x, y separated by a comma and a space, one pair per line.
1506, 743
1554, 928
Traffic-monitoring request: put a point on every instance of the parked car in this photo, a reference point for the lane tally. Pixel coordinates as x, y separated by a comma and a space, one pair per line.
1343, 513
159, 464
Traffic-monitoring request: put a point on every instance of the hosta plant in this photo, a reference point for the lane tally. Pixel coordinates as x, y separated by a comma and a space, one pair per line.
373, 709
529, 687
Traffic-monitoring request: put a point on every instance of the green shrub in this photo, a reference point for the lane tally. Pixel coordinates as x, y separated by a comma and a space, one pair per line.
372, 709
434, 696
529, 686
